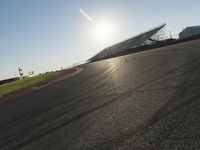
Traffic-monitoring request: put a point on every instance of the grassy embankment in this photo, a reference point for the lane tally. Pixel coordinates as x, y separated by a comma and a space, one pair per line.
19, 85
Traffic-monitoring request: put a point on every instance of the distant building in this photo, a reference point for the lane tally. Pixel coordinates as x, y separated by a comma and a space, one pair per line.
189, 32
30, 74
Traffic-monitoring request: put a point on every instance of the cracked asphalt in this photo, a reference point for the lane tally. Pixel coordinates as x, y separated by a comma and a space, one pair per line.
146, 100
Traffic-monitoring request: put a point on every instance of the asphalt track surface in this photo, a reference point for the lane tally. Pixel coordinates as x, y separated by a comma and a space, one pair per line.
147, 100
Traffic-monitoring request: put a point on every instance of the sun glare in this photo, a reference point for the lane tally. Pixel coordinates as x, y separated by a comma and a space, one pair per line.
104, 31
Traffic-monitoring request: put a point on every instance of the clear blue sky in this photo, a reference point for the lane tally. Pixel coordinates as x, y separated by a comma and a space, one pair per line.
43, 35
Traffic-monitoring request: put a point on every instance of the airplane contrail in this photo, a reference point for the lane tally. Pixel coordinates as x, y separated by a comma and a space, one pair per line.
86, 15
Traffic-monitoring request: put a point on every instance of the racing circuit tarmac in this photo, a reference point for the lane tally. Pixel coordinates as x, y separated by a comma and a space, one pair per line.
146, 100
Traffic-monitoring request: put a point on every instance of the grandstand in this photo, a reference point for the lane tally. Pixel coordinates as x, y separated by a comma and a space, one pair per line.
151, 36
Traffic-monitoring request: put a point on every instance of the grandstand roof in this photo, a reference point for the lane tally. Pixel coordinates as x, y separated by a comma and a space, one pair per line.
129, 43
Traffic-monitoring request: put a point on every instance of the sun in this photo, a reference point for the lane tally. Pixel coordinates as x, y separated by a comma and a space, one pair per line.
104, 30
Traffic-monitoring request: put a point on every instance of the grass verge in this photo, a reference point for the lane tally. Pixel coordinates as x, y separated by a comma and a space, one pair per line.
19, 85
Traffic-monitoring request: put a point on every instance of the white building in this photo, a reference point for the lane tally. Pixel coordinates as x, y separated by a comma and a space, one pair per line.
189, 32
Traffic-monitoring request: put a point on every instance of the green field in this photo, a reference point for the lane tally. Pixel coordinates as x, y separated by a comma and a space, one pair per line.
19, 85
